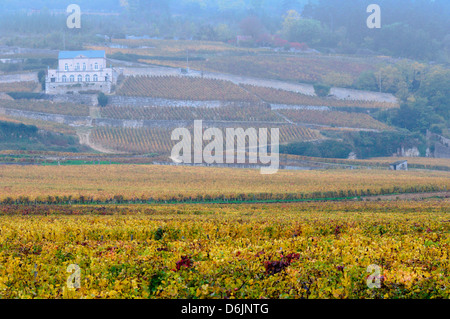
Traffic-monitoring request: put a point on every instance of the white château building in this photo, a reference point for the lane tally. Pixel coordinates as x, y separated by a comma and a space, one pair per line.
80, 71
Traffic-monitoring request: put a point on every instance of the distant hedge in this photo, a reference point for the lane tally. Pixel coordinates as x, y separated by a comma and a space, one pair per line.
26, 95
322, 90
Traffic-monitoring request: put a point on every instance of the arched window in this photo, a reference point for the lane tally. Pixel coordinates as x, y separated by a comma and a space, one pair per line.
64, 78
87, 78
80, 78
95, 78
72, 78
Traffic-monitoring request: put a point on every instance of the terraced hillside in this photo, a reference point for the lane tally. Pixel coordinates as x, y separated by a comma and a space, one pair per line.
184, 88
158, 140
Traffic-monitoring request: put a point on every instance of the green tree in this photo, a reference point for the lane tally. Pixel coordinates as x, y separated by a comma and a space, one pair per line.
435, 87
298, 29
322, 89
41, 77
102, 99
366, 81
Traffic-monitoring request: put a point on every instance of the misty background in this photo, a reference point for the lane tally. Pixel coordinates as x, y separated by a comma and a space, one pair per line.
413, 46
410, 28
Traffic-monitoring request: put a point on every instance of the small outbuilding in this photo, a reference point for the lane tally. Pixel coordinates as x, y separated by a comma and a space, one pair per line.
399, 166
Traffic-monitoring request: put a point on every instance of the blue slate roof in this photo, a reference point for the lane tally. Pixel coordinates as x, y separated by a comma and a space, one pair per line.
88, 54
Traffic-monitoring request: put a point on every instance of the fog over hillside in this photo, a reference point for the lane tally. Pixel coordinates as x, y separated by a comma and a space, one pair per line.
327, 66
413, 29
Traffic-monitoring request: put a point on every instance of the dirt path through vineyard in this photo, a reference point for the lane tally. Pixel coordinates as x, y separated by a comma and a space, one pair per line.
84, 135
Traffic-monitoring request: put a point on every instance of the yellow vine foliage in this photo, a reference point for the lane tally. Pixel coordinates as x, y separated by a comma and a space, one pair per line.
178, 183
308, 250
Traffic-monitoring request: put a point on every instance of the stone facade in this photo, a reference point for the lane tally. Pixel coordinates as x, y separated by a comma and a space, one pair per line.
80, 71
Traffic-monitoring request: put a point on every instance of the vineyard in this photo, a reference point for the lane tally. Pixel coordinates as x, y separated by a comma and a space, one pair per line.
142, 141
201, 89
429, 163
184, 88
145, 182
285, 68
157, 48
46, 107
18, 86
278, 96
259, 63
158, 140
227, 113
414, 162
43, 125
308, 250
332, 118
333, 71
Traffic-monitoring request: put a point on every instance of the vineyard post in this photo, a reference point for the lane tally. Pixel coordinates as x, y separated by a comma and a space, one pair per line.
187, 59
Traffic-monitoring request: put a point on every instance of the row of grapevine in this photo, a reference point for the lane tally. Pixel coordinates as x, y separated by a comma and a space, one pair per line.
332, 118
184, 88
252, 252
103, 182
158, 140
278, 96
46, 107
286, 68
227, 113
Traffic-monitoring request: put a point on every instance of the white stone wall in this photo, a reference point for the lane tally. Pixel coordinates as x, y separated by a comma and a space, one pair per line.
102, 75
79, 63
64, 88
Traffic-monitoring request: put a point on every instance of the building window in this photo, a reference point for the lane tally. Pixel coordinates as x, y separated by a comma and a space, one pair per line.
66, 67
96, 66
95, 78
87, 78
64, 78
106, 78
84, 66
80, 78
78, 66
72, 78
